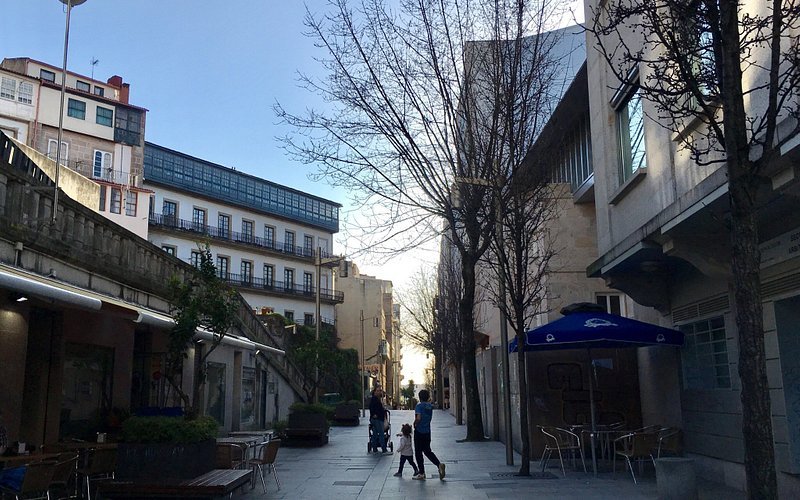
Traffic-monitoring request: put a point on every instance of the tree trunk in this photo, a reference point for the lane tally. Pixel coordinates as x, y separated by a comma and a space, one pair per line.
759, 451
756, 414
457, 395
522, 374
439, 376
465, 310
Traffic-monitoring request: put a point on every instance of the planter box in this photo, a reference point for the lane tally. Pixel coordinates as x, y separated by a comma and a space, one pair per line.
164, 463
307, 429
347, 414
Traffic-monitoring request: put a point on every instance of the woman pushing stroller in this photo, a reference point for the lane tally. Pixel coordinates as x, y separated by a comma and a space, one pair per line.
377, 416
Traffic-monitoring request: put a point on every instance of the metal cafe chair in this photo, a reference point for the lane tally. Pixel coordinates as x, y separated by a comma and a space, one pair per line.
267, 452
635, 446
561, 440
35, 482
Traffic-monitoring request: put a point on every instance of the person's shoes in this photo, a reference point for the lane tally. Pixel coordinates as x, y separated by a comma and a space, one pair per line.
398, 474
384, 450
419, 477
441, 471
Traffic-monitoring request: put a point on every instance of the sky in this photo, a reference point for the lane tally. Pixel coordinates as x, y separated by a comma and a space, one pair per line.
209, 73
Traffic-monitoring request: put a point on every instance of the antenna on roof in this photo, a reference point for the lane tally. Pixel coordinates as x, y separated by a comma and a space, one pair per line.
94, 62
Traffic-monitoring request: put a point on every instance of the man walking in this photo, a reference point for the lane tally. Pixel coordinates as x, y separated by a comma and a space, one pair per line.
422, 435
377, 415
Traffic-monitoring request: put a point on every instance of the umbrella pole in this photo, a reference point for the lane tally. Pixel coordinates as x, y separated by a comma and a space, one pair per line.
591, 410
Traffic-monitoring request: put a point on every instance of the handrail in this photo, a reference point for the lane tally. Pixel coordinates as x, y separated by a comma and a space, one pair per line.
171, 221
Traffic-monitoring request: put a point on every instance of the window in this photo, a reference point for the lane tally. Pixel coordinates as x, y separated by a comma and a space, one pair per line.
105, 116
223, 267
76, 109
288, 279
8, 88
25, 93
171, 250
704, 356
308, 245
308, 319
102, 165
102, 198
82, 86
247, 272
612, 302
169, 209
269, 236
198, 219
47, 76
51, 151
195, 259
130, 203
289, 315
269, 276
127, 128
116, 201
215, 385
630, 123
247, 230
99, 91
308, 283
224, 225
288, 242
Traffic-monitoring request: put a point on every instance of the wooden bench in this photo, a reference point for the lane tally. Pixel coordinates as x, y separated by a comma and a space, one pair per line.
307, 428
213, 484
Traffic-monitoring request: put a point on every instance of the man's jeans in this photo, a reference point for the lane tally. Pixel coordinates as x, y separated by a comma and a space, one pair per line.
378, 438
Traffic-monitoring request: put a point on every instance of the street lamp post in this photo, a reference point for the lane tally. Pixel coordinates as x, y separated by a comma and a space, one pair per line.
319, 261
69, 4
503, 320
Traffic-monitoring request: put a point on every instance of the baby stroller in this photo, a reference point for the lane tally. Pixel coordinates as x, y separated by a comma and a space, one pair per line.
387, 434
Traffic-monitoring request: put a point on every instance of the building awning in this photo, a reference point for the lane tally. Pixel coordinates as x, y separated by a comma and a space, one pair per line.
52, 290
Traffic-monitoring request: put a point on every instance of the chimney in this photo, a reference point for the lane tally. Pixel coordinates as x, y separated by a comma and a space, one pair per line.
124, 88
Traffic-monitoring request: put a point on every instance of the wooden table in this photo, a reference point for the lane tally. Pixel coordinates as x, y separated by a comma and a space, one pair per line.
213, 484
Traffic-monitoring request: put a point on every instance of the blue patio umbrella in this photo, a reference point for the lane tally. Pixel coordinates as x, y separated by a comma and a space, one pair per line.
588, 326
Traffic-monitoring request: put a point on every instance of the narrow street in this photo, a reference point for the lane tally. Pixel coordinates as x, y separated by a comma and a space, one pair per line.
344, 470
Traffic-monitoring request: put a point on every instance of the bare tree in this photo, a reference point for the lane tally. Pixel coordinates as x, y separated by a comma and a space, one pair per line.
731, 68
409, 118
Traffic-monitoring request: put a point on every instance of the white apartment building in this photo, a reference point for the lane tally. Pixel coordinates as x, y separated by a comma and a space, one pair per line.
103, 134
265, 237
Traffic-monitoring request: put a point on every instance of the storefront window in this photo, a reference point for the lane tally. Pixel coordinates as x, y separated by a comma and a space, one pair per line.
215, 391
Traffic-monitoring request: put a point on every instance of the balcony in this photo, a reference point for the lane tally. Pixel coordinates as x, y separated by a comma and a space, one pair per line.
284, 289
87, 170
283, 249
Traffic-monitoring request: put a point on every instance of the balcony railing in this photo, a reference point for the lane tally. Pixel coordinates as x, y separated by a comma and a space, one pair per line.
293, 289
87, 169
170, 221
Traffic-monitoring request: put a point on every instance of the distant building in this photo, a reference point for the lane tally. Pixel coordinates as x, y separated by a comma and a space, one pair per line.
265, 237
103, 134
369, 308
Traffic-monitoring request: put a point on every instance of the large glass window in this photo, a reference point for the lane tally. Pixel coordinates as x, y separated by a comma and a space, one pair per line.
83, 86
25, 93
131, 199
87, 386
116, 201
102, 164
128, 126
704, 356
612, 302
198, 219
308, 282
47, 76
102, 198
195, 258
169, 209
76, 109
288, 279
269, 275
269, 236
630, 119
223, 267
247, 272
247, 230
288, 242
308, 245
8, 88
224, 225
215, 391
51, 151
248, 410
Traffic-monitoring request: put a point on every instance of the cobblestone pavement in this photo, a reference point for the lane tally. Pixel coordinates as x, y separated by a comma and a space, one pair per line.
343, 469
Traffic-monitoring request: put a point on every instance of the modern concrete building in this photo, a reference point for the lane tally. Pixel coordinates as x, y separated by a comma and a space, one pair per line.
103, 133
368, 317
269, 241
662, 239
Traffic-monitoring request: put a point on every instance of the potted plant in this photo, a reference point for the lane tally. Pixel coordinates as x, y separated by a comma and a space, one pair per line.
166, 449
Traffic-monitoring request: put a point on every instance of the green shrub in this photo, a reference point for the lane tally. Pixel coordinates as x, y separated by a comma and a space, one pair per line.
169, 430
313, 408
280, 428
